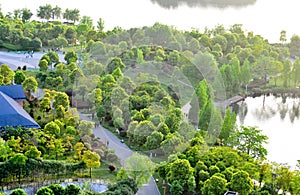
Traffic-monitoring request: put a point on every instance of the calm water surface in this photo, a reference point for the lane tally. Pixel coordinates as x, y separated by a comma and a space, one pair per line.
279, 119
264, 17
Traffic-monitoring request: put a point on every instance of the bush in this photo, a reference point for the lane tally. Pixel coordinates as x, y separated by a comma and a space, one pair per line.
18, 192
57, 189
44, 191
111, 167
72, 189
111, 157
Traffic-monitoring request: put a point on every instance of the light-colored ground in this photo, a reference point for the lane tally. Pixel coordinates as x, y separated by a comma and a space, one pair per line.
15, 59
123, 152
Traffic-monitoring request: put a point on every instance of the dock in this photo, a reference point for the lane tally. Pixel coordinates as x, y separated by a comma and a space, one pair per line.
230, 101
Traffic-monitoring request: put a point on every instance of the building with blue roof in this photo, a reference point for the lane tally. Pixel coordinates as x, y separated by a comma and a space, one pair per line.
16, 92
12, 113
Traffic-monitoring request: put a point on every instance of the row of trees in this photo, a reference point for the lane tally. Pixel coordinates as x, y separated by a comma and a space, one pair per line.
123, 186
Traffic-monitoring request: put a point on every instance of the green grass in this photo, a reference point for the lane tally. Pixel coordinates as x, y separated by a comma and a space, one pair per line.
11, 46
101, 173
104, 173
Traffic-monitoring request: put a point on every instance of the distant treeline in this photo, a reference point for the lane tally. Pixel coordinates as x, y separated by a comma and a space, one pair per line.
204, 3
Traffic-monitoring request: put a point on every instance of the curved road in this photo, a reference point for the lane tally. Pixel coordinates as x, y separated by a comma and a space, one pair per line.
123, 152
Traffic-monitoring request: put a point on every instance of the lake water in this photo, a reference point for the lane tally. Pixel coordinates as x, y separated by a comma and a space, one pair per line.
279, 119
264, 17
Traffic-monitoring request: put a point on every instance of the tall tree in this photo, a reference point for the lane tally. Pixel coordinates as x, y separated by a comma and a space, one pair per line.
45, 12
91, 160
7, 74
26, 14
19, 77
180, 170
100, 24
228, 126
140, 168
56, 12
71, 56
30, 85
249, 140
241, 182
214, 185
87, 20
282, 37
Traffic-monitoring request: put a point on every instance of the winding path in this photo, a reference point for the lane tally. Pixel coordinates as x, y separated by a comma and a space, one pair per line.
123, 152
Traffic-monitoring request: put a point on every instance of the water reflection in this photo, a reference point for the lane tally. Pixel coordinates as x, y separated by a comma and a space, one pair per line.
278, 118
241, 110
264, 108
294, 112
171, 4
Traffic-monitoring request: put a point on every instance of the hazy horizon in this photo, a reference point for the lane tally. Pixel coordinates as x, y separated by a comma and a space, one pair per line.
265, 17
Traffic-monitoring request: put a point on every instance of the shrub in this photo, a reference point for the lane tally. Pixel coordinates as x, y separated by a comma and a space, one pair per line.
111, 167
44, 191
111, 157
72, 189
18, 192
57, 189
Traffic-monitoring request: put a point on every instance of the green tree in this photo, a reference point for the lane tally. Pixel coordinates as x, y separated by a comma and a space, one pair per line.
91, 160
5, 150
87, 20
19, 160
180, 170
241, 182
62, 99
294, 46
71, 15
72, 189
30, 85
19, 77
71, 56
170, 144
70, 35
142, 131
44, 191
140, 168
176, 188
54, 58
44, 12
214, 185
154, 140
228, 126
56, 12
114, 64
82, 90
18, 192
52, 128
295, 181
78, 150
26, 14
282, 37
296, 72
249, 140
33, 152
7, 74
100, 24
43, 64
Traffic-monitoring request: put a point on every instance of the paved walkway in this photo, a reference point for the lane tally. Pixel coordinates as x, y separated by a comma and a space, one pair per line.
15, 59
123, 152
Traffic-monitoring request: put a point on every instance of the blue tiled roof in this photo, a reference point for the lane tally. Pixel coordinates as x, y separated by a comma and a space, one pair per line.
13, 115
16, 92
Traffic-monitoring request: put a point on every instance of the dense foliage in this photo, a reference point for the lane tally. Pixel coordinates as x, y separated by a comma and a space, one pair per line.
138, 82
